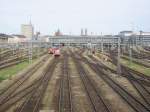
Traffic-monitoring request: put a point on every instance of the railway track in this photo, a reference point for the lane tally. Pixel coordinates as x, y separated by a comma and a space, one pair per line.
15, 60
135, 54
10, 54
10, 90
12, 57
143, 51
98, 103
137, 62
9, 60
65, 95
33, 103
139, 55
19, 96
147, 48
130, 99
144, 93
135, 73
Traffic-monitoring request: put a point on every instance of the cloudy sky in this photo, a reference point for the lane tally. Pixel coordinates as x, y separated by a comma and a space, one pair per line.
107, 16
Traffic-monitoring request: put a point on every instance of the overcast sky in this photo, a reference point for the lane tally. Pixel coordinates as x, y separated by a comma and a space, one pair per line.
107, 16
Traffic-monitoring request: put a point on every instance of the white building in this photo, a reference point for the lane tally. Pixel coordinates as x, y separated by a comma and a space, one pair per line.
126, 33
17, 39
44, 38
27, 30
143, 33
130, 33
4, 38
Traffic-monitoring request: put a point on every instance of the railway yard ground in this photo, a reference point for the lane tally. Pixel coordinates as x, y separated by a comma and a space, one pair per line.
75, 81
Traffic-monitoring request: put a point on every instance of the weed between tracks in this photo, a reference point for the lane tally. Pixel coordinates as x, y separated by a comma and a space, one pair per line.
137, 67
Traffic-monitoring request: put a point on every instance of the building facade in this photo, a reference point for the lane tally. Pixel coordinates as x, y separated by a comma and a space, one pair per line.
17, 39
3, 38
27, 30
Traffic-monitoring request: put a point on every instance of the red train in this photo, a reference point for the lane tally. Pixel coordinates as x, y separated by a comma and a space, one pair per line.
54, 51
50, 51
57, 52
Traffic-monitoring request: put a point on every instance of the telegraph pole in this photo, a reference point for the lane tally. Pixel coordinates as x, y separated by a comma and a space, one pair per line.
131, 43
130, 54
102, 50
118, 60
30, 51
141, 39
13, 48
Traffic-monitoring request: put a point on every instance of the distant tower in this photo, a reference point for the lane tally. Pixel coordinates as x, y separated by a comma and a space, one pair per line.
27, 30
85, 31
37, 34
58, 33
81, 32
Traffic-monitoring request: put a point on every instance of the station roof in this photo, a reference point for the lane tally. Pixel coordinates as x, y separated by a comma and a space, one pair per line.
20, 36
5, 36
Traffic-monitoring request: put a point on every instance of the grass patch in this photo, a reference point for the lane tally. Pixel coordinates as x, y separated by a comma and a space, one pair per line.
136, 67
13, 70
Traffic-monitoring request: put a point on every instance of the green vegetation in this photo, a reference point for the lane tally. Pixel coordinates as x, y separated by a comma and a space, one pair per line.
135, 66
10, 71
136, 60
